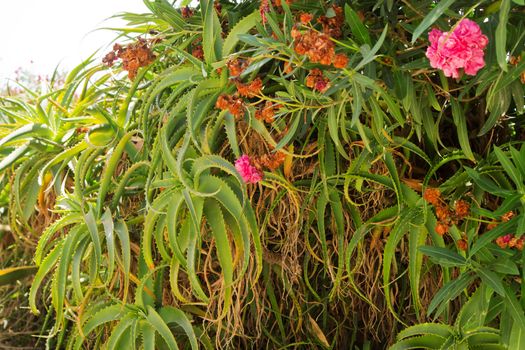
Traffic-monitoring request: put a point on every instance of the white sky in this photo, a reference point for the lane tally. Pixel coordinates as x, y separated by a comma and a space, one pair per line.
52, 32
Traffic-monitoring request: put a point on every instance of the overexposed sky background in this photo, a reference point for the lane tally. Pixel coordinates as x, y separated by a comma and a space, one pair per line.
38, 35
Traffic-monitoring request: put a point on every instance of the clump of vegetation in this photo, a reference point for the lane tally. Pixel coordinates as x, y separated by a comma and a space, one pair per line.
274, 174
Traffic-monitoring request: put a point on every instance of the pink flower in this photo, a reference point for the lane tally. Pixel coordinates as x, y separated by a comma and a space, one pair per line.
460, 48
248, 172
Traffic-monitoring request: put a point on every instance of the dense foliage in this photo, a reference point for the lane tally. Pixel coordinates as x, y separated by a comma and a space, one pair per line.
274, 174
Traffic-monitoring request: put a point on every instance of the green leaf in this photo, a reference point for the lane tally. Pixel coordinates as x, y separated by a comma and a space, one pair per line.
58, 293
406, 218
101, 136
32, 130
422, 342
211, 33
486, 184
91, 224
461, 126
105, 315
514, 307
242, 27
416, 238
491, 235
148, 335
119, 331
517, 336
358, 28
156, 321
45, 267
505, 266
12, 274
473, 313
109, 170
215, 219
431, 17
443, 256
13, 156
501, 34
450, 291
172, 315
107, 223
370, 55
492, 280
509, 168
437, 329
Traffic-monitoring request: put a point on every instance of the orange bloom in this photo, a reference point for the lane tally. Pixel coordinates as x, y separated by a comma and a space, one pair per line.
340, 61
492, 226
332, 25
267, 112
443, 213
231, 103
432, 196
507, 216
462, 244
133, 56
249, 90
186, 12
441, 229
198, 52
514, 60
519, 243
316, 81
305, 18
295, 33
288, 67
264, 8
272, 161
237, 66
503, 241
317, 46
462, 209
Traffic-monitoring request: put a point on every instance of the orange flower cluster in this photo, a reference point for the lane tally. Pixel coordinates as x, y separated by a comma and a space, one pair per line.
133, 56
264, 8
316, 81
278, 3
287, 68
340, 61
332, 25
515, 61
462, 244
270, 161
432, 196
218, 7
187, 12
445, 215
317, 46
231, 103
510, 241
462, 209
504, 218
267, 112
237, 66
198, 52
251, 89
305, 18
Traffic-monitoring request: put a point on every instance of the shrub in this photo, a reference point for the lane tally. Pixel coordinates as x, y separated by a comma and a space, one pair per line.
279, 174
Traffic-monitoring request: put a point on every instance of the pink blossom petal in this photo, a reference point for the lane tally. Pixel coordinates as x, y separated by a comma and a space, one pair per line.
248, 172
461, 48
